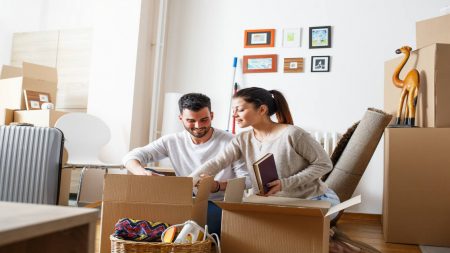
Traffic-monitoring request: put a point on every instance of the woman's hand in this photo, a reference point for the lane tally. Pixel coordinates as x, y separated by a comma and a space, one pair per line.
275, 186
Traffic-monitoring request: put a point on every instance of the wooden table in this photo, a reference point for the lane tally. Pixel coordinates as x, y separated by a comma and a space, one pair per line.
45, 228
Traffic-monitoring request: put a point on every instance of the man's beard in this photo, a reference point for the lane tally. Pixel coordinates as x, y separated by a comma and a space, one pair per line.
198, 132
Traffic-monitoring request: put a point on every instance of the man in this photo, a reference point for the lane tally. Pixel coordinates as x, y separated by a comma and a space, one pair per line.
189, 149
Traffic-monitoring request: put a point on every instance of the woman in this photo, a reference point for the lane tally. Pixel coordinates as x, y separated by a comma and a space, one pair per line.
300, 160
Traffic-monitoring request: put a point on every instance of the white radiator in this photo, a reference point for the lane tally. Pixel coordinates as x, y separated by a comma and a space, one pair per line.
328, 140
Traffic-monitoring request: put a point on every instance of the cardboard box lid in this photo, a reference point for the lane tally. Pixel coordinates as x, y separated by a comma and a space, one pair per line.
10, 72
40, 72
170, 190
281, 205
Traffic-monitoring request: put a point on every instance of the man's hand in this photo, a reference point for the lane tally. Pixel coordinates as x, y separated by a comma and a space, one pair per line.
275, 186
136, 168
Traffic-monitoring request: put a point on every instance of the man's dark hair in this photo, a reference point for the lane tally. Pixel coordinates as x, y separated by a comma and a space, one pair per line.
194, 102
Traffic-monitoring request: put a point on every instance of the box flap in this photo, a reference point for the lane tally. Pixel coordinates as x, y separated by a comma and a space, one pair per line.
203, 189
283, 201
40, 72
235, 190
10, 72
148, 189
275, 209
346, 204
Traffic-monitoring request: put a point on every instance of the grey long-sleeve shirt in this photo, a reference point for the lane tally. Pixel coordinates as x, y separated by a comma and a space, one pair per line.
300, 161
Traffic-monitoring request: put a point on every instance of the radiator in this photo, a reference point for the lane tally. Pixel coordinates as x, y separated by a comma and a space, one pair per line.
30, 162
328, 140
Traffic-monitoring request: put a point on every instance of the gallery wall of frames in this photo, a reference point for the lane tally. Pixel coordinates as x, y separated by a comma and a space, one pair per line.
318, 37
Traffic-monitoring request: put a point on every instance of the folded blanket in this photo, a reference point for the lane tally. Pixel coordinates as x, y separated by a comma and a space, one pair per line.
139, 230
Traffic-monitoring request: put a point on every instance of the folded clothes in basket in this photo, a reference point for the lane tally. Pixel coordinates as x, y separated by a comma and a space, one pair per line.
139, 230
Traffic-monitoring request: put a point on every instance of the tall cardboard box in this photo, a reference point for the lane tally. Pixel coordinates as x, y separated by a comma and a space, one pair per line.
434, 30
274, 224
42, 118
416, 206
433, 64
33, 77
157, 198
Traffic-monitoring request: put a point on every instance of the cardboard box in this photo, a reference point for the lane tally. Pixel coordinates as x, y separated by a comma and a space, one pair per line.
416, 204
433, 64
434, 30
42, 118
33, 77
6, 116
165, 199
274, 224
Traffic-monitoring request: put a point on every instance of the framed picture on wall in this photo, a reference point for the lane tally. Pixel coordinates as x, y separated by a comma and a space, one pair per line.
293, 65
291, 37
260, 63
320, 63
320, 37
259, 38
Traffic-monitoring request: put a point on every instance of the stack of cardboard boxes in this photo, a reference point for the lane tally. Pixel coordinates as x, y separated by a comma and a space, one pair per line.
13, 81
417, 160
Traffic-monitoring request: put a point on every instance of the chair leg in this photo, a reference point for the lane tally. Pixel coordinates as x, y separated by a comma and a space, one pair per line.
80, 184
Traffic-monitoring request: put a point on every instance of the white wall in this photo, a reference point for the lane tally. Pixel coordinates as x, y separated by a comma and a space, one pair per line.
115, 25
204, 36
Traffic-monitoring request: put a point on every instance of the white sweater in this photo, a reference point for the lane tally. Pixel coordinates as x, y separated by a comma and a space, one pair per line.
185, 156
299, 159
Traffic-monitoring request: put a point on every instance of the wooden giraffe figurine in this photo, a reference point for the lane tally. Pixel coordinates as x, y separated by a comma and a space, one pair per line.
410, 89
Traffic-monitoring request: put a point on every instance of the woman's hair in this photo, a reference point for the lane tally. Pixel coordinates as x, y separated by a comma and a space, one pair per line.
273, 99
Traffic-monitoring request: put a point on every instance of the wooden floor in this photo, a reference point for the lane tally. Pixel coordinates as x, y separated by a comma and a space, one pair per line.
362, 227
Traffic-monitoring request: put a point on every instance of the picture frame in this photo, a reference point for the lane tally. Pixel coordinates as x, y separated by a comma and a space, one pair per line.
320, 37
35, 99
291, 37
260, 63
320, 63
293, 65
259, 38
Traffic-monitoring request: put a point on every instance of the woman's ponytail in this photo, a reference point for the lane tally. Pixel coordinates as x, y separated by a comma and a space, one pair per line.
282, 108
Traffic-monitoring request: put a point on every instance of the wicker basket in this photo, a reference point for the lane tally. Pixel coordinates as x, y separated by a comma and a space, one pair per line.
124, 246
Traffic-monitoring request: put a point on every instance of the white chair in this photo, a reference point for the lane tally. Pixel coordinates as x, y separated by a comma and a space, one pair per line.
85, 135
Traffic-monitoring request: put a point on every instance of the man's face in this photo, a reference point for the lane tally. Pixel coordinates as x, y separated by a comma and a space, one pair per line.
197, 123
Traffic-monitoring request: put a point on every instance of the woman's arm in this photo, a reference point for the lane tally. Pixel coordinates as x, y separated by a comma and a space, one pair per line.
315, 155
230, 154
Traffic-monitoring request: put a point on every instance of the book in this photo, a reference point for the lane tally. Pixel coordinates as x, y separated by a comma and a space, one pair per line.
265, 172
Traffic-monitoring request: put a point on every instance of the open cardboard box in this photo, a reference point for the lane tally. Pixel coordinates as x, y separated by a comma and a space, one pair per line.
33, 77
433, 105
164, 199
258, 224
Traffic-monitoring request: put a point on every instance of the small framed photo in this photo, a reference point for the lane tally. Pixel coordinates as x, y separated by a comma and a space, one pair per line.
320, 37
35, 99
259, 38
291, 37
293, 65
320, 63
260, 63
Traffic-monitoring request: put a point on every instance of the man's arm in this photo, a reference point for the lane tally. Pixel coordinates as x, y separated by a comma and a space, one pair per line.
136, 168
136, 159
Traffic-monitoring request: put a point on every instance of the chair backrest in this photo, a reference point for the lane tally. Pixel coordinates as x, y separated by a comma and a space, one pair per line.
85, 135
355, 157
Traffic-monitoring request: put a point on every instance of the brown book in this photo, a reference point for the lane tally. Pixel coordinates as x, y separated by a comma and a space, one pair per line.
265, 171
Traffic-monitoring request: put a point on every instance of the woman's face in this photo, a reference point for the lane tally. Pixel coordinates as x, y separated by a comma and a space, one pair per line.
246, 114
